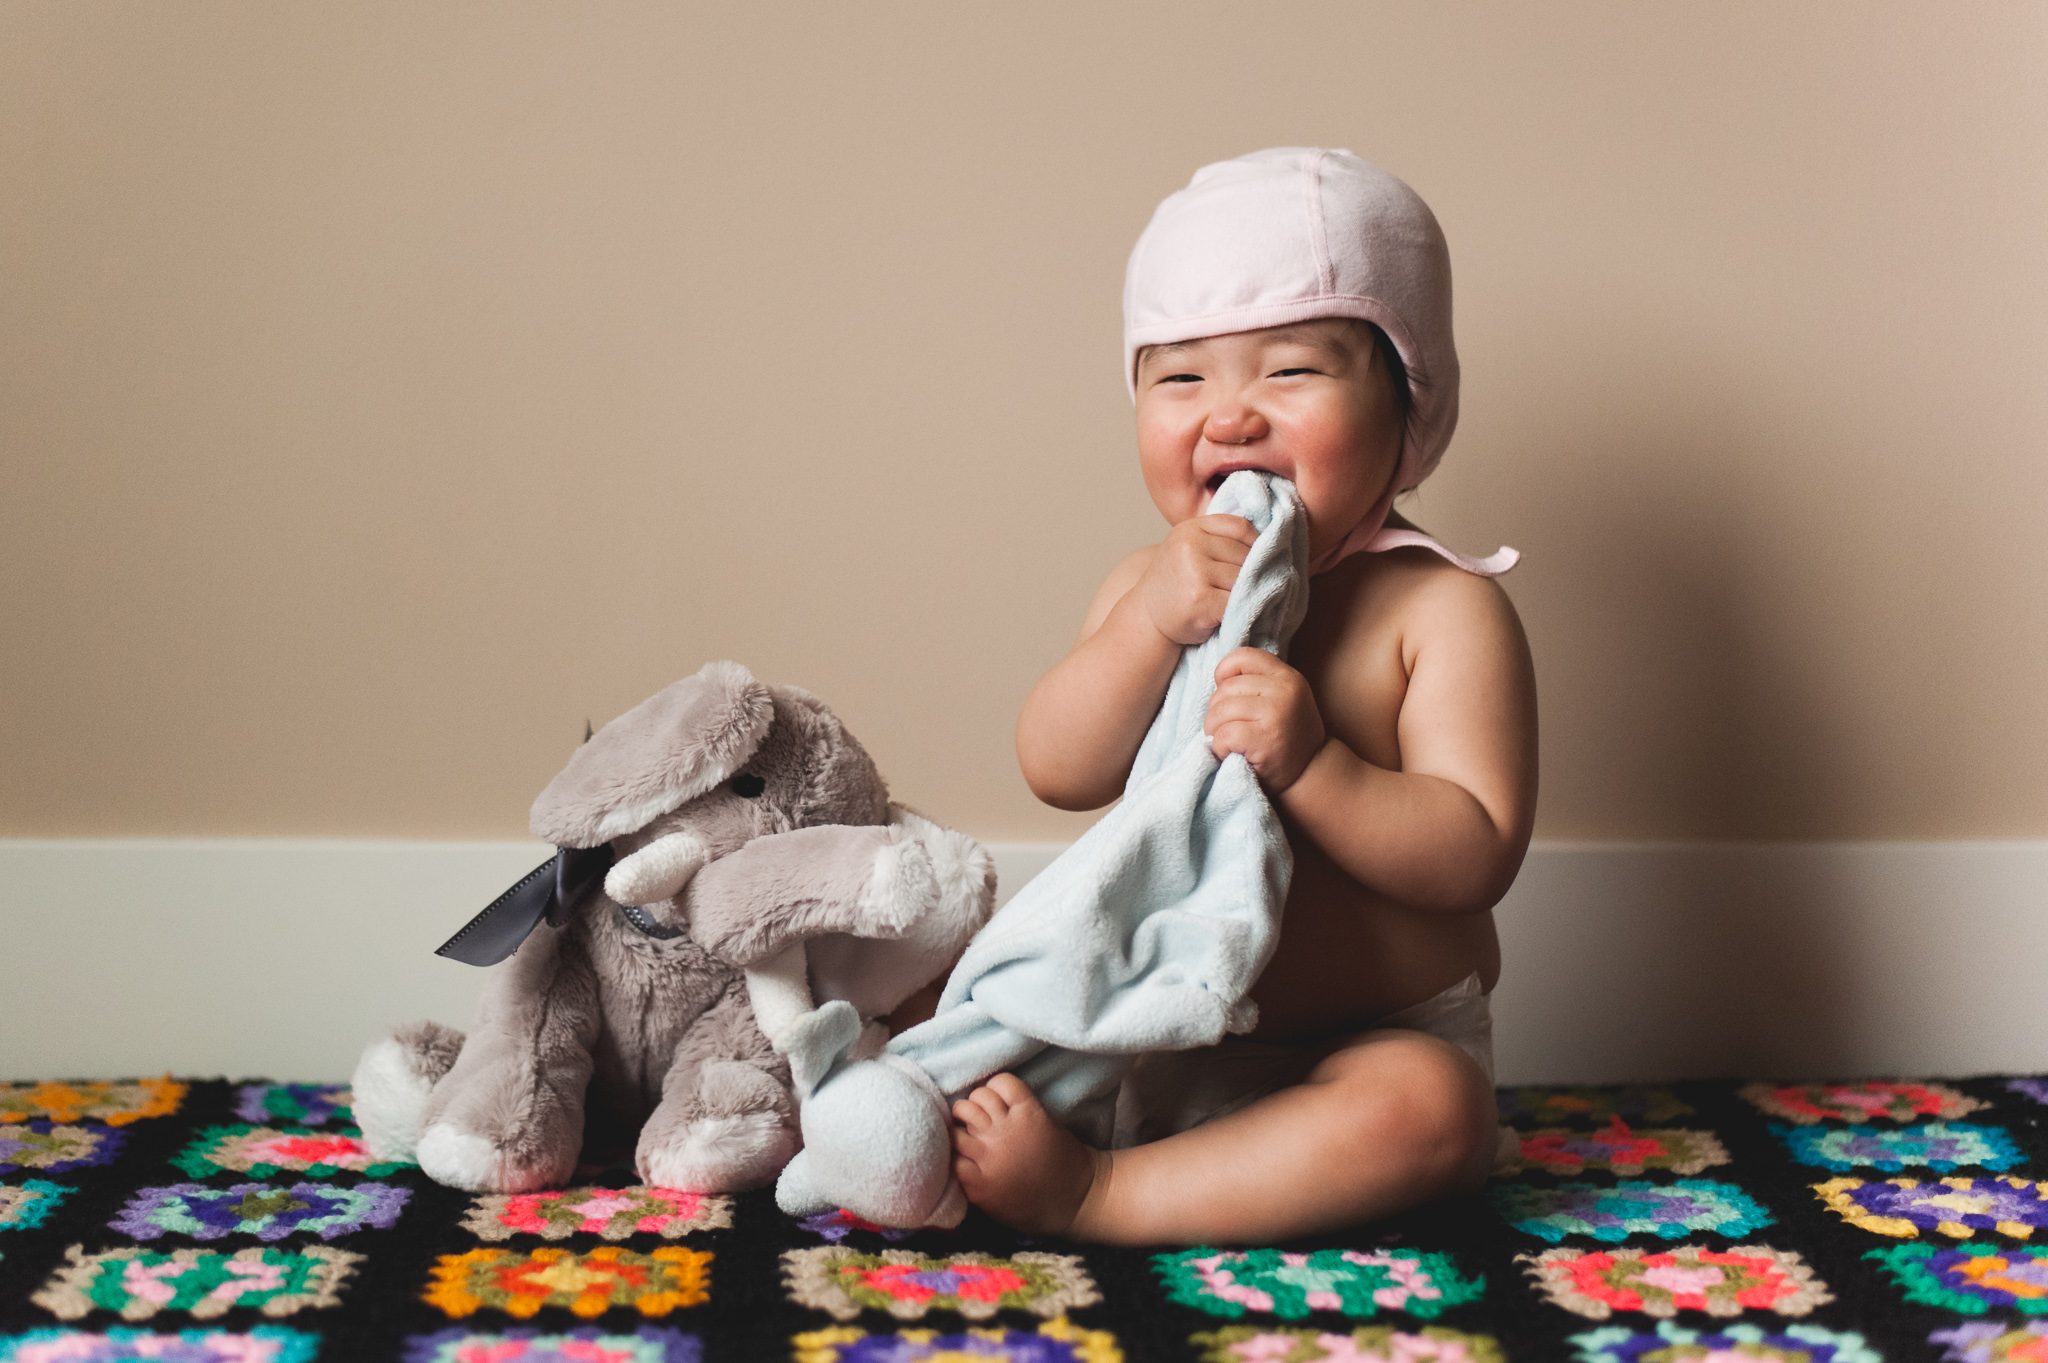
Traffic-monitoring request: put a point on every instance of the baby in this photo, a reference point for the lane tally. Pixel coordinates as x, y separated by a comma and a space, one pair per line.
1289, 311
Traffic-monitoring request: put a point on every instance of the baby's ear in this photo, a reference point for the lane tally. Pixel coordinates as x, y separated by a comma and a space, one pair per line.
658, 756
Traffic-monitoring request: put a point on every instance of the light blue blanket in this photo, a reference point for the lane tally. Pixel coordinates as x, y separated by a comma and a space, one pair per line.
1145, 935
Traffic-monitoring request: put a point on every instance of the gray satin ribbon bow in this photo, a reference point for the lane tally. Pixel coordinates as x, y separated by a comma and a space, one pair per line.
549, 891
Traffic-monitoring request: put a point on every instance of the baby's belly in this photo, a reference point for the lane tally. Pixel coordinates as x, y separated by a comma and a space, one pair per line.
1348, 957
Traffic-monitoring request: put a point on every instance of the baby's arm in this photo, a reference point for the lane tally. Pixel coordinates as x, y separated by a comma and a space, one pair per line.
1448, 829
1082, 725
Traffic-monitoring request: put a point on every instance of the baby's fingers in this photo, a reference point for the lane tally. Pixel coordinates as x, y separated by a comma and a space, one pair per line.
1229, 527
1229, 537
1235, 736
1249, 662
1235, 709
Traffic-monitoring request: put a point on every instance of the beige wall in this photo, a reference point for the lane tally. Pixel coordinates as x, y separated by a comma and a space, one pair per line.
386, 388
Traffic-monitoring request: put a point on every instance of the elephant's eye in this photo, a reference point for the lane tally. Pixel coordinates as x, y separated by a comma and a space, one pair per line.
747, 785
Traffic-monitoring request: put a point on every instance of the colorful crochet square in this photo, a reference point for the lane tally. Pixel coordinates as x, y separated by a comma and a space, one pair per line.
99, 1101
1957, 1207
1541, 1107
519, 1283
1981, 1341
1595, 1283
1056, 1341
836, 1226
306, 1104
841, 1281
1864, 1102
54, 1148
1357, 1282
1618, 1150
1669, 1211
24, 1206
586, 1344
258, 1209
613, 1213
1937, 1145
266, 1150
2037, 1089
137, 1283
264, 1344
1733, 1343
1367, 1344
1972, 1281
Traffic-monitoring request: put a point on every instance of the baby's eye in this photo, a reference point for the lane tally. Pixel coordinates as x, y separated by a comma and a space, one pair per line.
747, 785
1182, 378
1287, 373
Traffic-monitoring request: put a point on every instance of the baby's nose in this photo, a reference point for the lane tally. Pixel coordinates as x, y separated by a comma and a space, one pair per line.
1234, 425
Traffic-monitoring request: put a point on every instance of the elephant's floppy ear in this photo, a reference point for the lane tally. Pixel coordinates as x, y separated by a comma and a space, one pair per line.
658, 756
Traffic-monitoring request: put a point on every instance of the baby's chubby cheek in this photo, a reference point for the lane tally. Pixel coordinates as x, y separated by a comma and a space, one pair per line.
1335, 503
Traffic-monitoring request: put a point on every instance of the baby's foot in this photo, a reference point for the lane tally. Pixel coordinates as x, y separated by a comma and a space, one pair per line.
1016, 1163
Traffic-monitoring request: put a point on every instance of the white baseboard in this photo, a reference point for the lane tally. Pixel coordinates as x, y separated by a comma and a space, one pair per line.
1669, 960
1623, 961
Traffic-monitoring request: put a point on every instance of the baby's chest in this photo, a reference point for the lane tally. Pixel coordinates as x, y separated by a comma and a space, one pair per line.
1354, 669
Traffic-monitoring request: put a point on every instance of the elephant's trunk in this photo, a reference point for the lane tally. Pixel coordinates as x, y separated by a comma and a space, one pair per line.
657, 871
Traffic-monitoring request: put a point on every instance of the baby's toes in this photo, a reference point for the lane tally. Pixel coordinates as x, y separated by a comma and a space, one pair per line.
989, 1102
1009, 1091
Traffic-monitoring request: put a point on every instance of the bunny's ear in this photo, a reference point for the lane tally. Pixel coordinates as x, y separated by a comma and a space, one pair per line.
658, 756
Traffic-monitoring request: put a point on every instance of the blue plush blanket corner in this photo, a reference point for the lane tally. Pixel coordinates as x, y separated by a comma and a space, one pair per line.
1144, 935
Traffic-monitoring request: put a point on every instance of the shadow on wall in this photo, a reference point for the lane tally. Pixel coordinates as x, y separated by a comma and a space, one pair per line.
1671, 682
1692, 683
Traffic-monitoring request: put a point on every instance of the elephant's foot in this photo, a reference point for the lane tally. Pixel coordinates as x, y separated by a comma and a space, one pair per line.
392, 1083
476, 1164
723, 1154
733, 1134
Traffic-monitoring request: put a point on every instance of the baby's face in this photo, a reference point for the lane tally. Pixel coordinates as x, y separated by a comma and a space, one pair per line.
1311, 401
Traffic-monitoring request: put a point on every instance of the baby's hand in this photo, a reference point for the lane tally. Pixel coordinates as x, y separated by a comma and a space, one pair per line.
1263, 709
1190, 577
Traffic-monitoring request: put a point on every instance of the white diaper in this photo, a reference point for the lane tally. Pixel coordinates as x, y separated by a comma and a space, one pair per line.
1171, 1091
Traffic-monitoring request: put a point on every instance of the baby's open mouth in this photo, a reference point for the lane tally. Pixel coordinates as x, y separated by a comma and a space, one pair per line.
1216, 478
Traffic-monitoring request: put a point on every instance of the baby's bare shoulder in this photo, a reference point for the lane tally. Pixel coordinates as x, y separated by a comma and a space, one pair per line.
1411, 599
1121, 579
1425, 670
1129, 569
1439, 601
1405, 639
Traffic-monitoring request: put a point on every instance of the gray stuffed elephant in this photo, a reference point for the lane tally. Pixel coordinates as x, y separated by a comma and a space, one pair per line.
759, 869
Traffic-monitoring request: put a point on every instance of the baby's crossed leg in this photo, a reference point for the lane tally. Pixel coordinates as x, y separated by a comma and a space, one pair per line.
1386, 1120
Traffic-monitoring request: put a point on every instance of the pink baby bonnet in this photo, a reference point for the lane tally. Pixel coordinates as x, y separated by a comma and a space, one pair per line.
1291, 233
